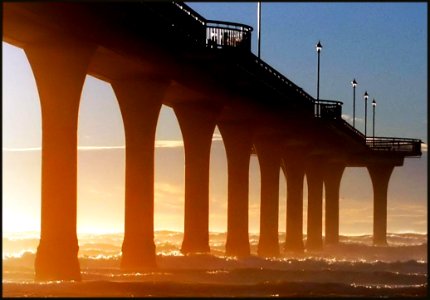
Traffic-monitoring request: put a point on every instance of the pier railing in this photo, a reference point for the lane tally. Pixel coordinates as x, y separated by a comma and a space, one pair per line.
389, 144
328, 109
404, 146
191, 12
227, 34
354, 130
220, 34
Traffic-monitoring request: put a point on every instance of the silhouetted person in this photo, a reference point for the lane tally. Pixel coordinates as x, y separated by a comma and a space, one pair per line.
225, 39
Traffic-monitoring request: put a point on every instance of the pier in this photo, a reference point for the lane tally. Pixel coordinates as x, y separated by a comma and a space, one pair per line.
165, 53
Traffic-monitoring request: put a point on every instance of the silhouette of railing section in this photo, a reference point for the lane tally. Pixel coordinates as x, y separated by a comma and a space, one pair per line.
218, 34
228, 34
183, 27
189, 11
405, 146
354, 130
390, 144
268, 70
328, 109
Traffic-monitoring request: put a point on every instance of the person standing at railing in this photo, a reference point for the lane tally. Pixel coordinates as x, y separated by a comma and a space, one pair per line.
211, 38
225, 39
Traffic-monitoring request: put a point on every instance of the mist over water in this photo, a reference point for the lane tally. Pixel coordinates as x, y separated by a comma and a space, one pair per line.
352, 268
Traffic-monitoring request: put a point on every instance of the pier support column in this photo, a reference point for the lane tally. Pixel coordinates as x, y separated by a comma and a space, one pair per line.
380, 175
237, 139
197, 123
269, 157
140, 103
332, 177
294, 168
59, 67
314, 175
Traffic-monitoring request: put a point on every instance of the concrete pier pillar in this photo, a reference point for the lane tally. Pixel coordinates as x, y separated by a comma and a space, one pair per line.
197, 123
59, 67
237, 139
314, 175
294, 168
269, 157
332, 177
380, 175
140, 103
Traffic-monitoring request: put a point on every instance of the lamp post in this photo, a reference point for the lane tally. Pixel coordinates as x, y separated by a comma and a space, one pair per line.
374, 106
366, 96
318, 47
354, 84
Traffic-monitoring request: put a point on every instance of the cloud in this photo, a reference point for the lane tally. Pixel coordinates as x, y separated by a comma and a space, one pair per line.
80, 148
164, 189
168, 144
92, 148
216, 137
158, 144
407, 210
22, 149
348, 118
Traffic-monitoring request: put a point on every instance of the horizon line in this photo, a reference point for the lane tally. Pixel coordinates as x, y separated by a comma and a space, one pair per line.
157, 144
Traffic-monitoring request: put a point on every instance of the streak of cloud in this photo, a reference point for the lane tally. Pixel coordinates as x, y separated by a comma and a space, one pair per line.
158, 144
348, 118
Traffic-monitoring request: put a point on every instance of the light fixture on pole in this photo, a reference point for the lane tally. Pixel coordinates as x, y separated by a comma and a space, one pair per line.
366, 96
374, 107
318, 47
354, 84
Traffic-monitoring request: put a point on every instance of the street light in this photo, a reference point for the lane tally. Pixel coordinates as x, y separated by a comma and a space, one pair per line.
318, 47
354, 84
366, 96
374, 106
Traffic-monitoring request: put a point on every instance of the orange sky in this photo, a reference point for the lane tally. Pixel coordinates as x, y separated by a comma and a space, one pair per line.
101, 169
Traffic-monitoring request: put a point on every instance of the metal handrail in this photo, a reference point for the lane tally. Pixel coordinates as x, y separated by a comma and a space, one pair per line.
329, 102
229, 25
328, 109
391, 144
355, 130
394, 139
190, 12
276, 74
221, 34
228, 34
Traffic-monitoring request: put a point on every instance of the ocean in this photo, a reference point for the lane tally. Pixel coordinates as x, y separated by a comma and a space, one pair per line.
354, 268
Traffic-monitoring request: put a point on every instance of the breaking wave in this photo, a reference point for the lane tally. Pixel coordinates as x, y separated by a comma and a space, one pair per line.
352, 268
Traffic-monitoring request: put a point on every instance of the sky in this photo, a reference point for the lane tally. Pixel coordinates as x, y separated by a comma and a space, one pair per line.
382, 45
